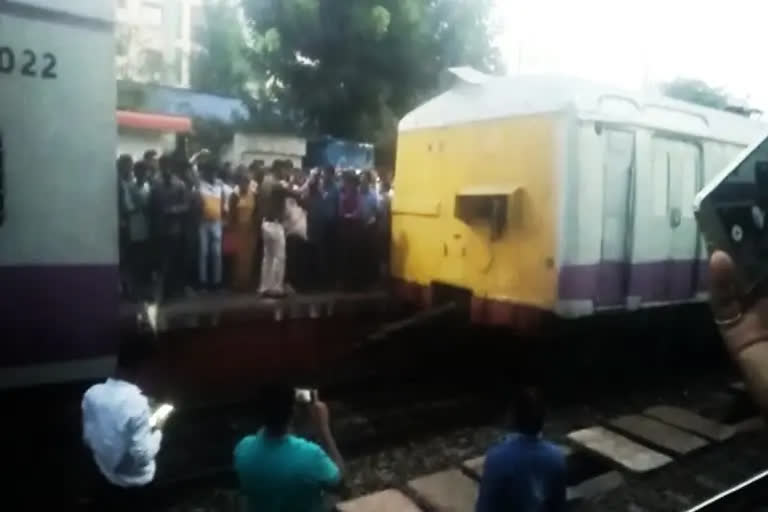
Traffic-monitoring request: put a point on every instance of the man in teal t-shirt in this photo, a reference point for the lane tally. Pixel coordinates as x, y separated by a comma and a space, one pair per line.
279, 472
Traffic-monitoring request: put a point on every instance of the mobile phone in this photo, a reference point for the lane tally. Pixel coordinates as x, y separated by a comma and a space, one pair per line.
160, 414
306, 396
732, 213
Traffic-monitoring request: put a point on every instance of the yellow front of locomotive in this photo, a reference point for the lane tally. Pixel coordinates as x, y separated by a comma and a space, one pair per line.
474, 212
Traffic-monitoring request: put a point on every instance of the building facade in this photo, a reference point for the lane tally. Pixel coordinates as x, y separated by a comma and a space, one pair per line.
155, 39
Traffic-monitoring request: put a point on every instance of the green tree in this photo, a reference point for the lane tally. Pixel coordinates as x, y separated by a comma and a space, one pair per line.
696, 91
352, 68
219, 65
701, 93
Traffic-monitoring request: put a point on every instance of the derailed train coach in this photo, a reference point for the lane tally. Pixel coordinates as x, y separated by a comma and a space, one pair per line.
58, 219
529, 198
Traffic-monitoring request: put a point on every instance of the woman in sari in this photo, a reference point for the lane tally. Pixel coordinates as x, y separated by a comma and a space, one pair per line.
243, 228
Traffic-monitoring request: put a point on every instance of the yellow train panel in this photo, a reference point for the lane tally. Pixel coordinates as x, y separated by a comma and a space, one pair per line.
440, 170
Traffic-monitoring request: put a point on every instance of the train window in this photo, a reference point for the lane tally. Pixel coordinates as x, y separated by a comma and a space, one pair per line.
491, 209
498, 206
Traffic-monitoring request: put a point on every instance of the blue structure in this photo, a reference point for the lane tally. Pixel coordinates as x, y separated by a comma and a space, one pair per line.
166, 100
340, 153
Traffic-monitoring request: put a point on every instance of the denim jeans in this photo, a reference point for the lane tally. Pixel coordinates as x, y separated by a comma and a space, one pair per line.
210, 247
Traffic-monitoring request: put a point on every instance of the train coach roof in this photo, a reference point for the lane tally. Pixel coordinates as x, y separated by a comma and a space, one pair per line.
84, 13
478, 97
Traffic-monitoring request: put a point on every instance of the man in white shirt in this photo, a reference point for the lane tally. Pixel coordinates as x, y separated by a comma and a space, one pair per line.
117, 426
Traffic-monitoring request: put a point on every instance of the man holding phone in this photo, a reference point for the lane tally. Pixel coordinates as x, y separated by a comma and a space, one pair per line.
120, 429
282, 472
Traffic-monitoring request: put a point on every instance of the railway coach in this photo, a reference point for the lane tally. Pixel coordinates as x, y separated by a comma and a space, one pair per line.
59, 298
524, 198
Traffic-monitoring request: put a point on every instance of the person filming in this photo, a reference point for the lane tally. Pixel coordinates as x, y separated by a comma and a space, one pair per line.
280, 472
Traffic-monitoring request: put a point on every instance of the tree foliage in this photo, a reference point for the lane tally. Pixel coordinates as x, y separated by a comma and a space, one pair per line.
701, 93
696, 91
352, 68
219, 64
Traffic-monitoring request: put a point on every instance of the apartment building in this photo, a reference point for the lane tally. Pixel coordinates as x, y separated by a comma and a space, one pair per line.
155, 39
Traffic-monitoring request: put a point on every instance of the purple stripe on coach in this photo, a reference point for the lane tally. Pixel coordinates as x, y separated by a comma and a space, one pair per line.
57, 313
610, 282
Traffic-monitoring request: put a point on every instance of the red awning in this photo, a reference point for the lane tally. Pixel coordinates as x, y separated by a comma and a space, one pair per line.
154, 122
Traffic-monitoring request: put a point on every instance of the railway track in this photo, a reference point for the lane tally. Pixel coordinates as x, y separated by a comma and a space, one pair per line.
745, 496
437, 414
438, 456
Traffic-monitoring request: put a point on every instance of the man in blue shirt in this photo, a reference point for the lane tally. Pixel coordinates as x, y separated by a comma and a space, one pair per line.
279, 472
524, 473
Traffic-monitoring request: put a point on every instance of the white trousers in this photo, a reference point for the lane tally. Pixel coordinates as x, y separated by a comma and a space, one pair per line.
273, 261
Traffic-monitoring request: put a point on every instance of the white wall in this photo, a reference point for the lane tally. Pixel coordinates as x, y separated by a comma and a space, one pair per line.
135, 142
258, 146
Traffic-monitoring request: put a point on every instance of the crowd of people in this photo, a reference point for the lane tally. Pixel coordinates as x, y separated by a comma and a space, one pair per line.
192, 225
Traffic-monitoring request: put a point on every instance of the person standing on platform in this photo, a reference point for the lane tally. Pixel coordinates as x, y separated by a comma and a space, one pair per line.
326, 232
369, 217
524, 472
228, 238
153, 165
192, 221
295, 226
171, 205
138, 231
273, 193
280, 472
385, 225
350, 231
242, 208
213, 210
257, 172
124, 208
316, 267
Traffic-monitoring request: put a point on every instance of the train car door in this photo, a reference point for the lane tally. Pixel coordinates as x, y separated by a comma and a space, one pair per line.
679, 161
618, 167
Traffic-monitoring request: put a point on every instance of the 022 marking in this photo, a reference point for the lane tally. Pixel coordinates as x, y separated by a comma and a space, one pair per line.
27, 63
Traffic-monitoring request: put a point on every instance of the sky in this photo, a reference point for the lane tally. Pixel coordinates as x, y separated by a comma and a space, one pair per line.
636, 43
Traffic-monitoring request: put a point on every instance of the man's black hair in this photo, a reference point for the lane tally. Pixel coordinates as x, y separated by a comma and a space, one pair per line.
277, 402
165, 162
150, 154
276, 168
124, 161
140, 166
529, 411
136, 347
